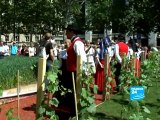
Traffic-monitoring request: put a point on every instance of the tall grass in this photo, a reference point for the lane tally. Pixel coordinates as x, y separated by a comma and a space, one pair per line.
9, 66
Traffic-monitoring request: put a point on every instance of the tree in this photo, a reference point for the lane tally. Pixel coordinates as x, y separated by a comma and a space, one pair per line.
100, 14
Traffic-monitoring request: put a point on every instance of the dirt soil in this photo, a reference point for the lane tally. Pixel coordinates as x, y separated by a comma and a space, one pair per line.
28, 108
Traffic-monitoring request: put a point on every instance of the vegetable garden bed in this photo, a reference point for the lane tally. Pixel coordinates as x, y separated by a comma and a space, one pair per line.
27, 67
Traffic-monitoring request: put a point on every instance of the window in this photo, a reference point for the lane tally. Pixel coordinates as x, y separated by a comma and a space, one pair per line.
27, 38
7, 37
17, 38
37, 38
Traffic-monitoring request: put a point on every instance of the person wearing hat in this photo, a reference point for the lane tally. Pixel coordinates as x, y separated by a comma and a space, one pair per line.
76, 48
121, 49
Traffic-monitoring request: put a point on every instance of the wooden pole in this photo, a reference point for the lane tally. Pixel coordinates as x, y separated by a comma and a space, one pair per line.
75, 95
137, 70
18, 90
106, 67
40, 85
134, 65
78, 77
143, 56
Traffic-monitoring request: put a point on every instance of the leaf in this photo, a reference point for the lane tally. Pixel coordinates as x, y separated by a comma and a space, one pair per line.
146, 109
9, 113
1, 92
148, 119
107, 93
109, 86
134, 105
48, 113
54, 102
109, 79
41, 110
95, 89
90, 100
32, 67
52, 77
92, 108
83, 103
126, 90
15, 118
84, 93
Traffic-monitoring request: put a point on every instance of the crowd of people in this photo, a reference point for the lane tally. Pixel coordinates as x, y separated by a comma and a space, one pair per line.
16, 49
92, 55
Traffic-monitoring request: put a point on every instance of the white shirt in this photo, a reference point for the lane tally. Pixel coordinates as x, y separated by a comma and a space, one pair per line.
130, 53
2, 49
90, 55
110, 51
80, 50
55, 51
31, 51
6, 50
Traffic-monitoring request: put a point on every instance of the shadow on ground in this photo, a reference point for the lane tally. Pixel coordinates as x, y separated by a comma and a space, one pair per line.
30, 108
152, 105
120, 101
102, 116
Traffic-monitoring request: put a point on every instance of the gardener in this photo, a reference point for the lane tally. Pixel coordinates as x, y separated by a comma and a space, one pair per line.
76, 48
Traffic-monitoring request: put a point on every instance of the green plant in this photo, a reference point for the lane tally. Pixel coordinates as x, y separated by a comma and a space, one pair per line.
9, 115
53, 86
128, 78
87, 106
10, 65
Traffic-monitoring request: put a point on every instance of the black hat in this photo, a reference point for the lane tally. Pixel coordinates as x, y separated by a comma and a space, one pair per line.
74, 28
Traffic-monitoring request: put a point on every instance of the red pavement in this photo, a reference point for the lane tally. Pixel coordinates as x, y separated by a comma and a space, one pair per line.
27, 107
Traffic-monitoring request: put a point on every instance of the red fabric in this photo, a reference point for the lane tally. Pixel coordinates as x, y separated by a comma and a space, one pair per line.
123, 48
72, 57
99, 77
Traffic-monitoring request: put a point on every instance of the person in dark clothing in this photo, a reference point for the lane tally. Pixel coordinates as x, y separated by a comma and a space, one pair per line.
49, 51
120, 49
76, 48
133, 45
62, 76
46, 43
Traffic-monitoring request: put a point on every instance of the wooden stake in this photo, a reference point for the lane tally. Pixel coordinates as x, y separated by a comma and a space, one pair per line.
75, 95
40, 83
143, 56
134, 66
18, 90
106, 67
137, 70
78, 77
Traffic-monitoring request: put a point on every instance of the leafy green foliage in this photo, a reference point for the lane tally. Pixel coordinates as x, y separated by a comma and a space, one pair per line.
52, 87
87, 104
128, 78
9, 115
98, 14
9, 67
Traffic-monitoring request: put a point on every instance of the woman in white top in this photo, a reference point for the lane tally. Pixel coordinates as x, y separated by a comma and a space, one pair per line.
90, 54
31, 50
